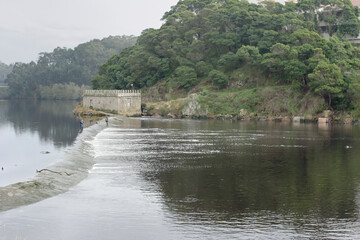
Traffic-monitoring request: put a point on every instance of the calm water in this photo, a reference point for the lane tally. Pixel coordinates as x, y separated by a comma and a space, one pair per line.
186, 179
33, 135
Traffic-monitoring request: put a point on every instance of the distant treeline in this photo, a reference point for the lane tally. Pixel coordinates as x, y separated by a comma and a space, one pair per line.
210, 41
64, 73
4, 71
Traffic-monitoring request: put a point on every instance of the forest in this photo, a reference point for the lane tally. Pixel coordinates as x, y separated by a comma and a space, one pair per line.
4, 71
64, 73
214, 46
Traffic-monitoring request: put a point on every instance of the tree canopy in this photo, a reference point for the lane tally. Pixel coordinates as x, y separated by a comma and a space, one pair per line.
64, 66
4, 71
285, 42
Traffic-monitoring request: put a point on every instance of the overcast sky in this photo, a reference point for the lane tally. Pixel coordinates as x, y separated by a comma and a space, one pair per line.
30, 27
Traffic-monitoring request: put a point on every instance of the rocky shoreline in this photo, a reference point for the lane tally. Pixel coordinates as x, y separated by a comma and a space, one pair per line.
320, 120
190, 108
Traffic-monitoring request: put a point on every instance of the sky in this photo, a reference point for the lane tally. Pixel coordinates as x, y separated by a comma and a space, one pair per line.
30, 27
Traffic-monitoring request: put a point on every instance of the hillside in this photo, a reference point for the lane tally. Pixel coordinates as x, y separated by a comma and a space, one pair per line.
64, 73
234, 56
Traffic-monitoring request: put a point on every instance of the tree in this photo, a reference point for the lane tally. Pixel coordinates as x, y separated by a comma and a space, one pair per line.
218, 78
202, 69
228, 62
65, 66
185, 76
282, 42
249, 54
327, 81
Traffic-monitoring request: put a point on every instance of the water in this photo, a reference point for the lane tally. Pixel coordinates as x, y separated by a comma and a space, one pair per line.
186, 179
34, 134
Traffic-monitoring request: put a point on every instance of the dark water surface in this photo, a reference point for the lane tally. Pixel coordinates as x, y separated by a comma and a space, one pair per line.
187, 179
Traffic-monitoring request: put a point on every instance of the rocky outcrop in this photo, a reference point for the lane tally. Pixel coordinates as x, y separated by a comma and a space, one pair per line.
193, 107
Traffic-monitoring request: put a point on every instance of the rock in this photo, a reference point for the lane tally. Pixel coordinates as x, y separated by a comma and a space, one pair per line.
193, 108
171, 115
323, 120
262, 118
348, 120
252, 115
285, 119
297, 119
243, 113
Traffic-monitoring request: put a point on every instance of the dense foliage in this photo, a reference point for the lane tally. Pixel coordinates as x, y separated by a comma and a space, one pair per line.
64, 68
211, 39
4, 71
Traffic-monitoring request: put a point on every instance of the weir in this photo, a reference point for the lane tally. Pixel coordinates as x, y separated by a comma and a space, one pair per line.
124, 102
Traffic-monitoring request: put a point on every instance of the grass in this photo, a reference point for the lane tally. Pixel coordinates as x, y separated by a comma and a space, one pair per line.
264, 101
229, 102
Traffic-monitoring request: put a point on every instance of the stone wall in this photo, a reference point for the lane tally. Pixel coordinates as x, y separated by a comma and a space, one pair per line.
129, 103
124, 102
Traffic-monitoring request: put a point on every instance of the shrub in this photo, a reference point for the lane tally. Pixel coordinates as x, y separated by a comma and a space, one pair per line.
218, 78
202, 69
186, 76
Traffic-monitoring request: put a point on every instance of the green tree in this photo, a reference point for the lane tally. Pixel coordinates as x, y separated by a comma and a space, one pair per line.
228, 62
327, 81
282, 42
218, 78
202, 69
249, 54
63, 66
185, 76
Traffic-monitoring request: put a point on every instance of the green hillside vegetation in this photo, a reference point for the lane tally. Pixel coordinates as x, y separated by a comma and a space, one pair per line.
64, 73
237, 57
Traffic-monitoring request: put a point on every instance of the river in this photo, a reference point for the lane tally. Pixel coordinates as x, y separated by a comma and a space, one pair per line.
143, 178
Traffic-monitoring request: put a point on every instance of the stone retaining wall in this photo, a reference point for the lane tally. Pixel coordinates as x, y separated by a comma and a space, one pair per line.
124, 102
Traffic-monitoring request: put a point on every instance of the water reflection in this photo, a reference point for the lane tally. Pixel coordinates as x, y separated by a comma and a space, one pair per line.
53, 121
179, 179
225, 171
33, 136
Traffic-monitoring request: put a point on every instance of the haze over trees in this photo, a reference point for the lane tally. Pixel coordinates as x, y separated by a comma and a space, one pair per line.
4, 71
64, 73
220, 41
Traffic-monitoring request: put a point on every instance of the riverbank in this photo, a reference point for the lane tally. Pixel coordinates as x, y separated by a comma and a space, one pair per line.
171, 110
275, 103
255, 117
268, 105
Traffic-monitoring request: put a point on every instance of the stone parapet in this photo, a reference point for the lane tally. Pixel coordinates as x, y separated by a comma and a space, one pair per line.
111, 93
130, 94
